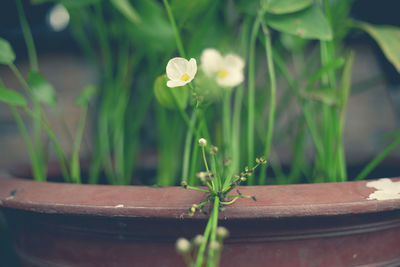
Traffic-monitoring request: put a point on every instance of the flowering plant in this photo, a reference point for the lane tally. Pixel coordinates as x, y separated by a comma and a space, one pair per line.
231, 100
219, 73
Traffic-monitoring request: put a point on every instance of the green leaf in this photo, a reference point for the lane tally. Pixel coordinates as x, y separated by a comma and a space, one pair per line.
188, 13
324, 95
388, 38
249, 7
42, 89
87, 94
154, 33
172, 98
286, 6
125, 7
309, 23
12, 97
292, 42
7, 55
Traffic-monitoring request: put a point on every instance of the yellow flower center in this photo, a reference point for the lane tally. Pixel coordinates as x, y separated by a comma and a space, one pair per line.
222, 74
185, 77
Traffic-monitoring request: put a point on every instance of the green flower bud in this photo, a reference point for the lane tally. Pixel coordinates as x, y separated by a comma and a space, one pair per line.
182, 245
202, 142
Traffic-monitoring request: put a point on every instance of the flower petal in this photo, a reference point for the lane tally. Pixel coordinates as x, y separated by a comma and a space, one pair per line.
210, 61
176, 83
233, 78
233, 62
176, 67
191, 69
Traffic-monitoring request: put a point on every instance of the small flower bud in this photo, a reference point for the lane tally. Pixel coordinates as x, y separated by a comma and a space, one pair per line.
184, 184
202, 142
222, 232
182, 245
191, 212
193, 209
243, 179
213, 150
198, 240
227, 162
214, 245
210, 176
202, 176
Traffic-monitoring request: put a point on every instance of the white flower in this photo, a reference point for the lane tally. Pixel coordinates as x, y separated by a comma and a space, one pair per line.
228, 70
180, 71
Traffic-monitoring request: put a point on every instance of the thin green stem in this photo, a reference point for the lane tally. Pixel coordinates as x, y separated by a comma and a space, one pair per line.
236, 128
77, 20
213, 236
304, 108
36, 122
36, 168
103, 40
345, 92
59, 150
194, 162
30, 44
207, 231
272, 100
75, 166
175, 29
378, 159
226, 122
198, 189
251, 95
203, 151
186, 151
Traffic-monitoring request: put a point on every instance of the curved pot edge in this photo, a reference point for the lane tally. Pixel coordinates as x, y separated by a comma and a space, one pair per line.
298, 200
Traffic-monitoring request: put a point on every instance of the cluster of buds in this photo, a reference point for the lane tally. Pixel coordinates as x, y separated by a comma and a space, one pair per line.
239, 178
188, 248
261, 161
242, 177
205, 177
248, 171
193, 209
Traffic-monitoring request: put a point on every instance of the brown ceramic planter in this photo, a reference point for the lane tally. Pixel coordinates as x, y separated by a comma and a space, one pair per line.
332, 224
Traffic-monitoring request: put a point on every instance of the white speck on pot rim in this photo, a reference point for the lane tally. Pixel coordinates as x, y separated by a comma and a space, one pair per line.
386, 189
119, 206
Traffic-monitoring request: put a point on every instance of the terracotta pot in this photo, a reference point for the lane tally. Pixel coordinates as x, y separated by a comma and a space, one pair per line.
331, 224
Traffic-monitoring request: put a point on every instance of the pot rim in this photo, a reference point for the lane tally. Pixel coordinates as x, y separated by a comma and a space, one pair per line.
273, 201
